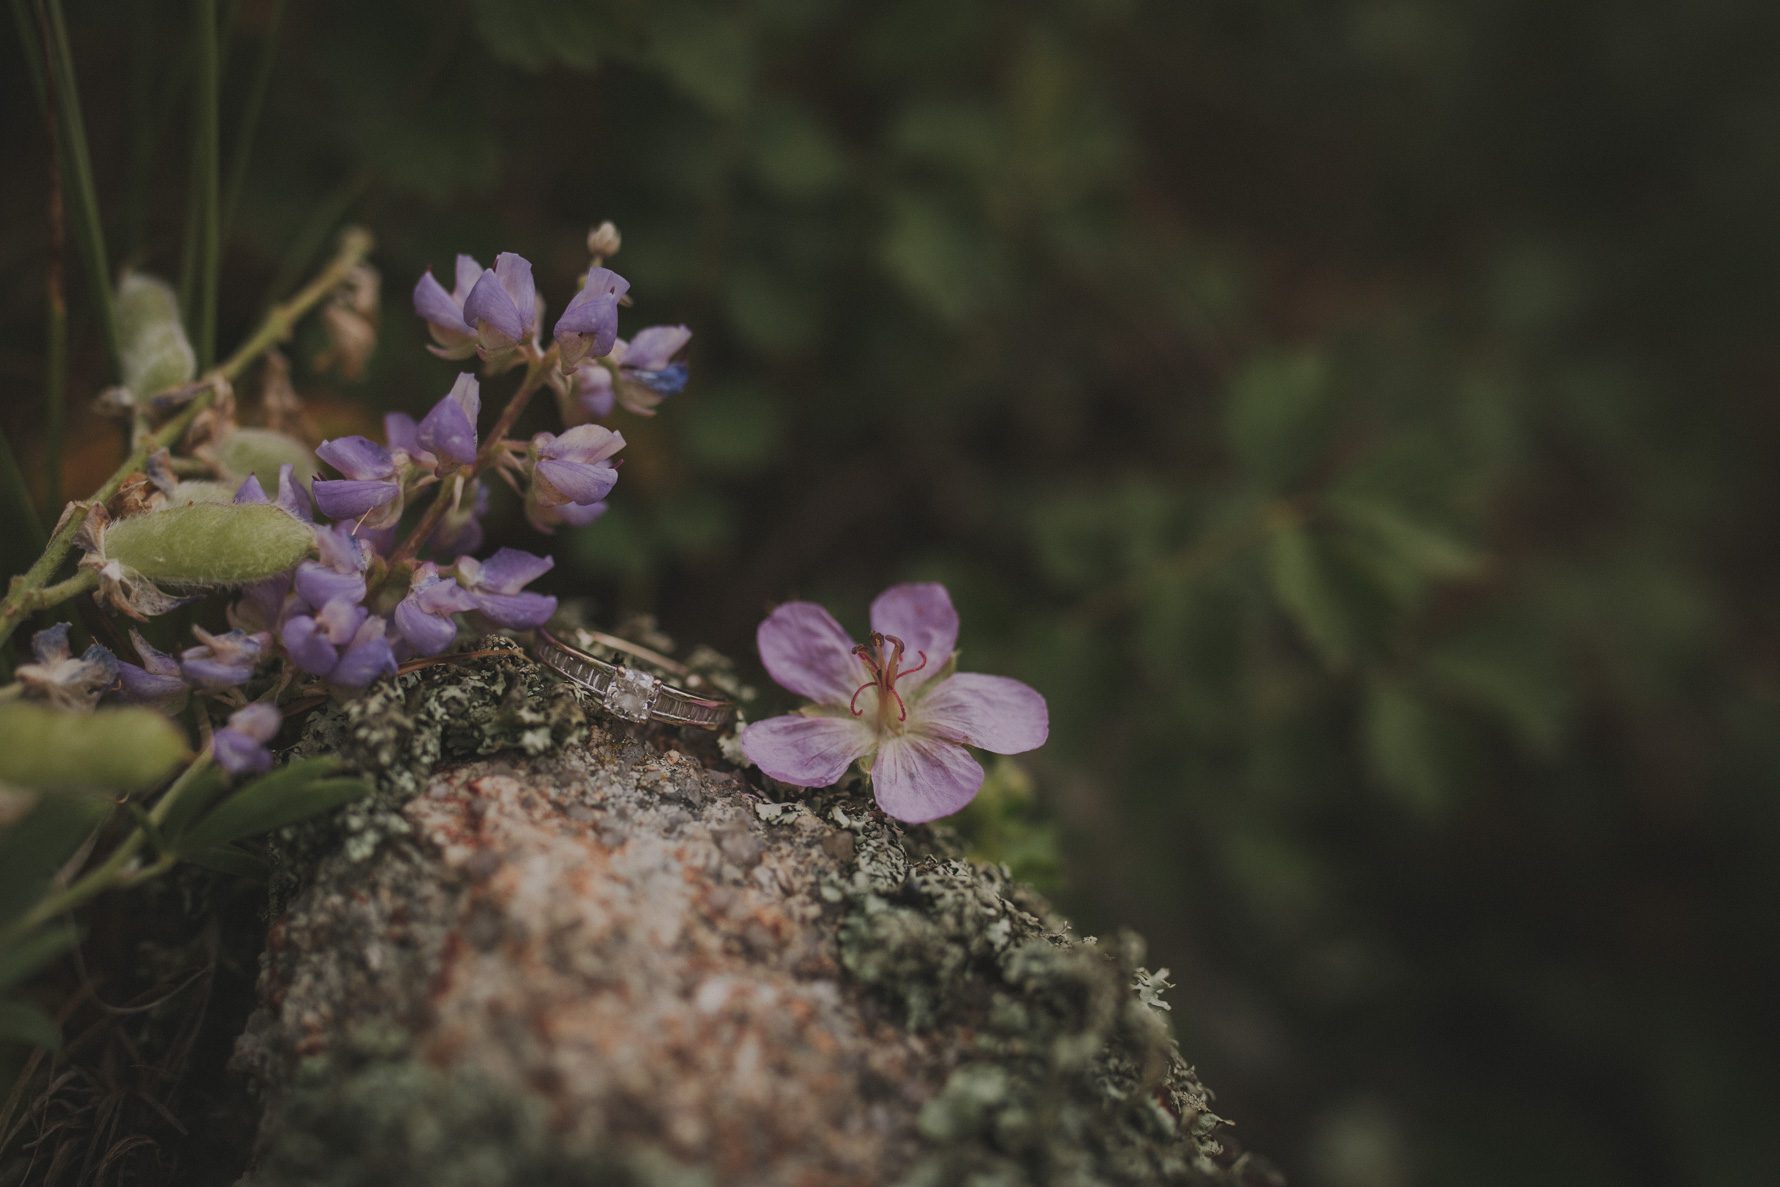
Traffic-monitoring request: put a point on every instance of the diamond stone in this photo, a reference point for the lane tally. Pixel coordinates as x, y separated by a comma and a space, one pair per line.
631, 694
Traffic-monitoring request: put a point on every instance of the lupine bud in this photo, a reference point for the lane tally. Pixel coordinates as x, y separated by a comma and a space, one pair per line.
604, 240
154, 351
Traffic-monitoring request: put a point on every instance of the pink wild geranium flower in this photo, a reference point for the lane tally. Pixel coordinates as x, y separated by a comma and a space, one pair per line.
894, 701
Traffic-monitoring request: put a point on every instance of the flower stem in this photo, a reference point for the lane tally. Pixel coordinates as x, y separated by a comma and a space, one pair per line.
355, 244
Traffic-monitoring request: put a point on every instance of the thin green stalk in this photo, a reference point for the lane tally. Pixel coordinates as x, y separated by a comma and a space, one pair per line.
206, 124
355, 244
250, 115
63, 95
109, 872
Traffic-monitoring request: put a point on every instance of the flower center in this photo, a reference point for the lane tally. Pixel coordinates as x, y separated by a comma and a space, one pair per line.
882, 656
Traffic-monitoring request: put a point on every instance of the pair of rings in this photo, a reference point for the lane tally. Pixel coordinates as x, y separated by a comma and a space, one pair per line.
630, 692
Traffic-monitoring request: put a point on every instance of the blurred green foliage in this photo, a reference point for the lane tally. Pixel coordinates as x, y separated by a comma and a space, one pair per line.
1356, 418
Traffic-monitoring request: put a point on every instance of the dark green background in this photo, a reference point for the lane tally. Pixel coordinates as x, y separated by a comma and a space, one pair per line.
1358, 418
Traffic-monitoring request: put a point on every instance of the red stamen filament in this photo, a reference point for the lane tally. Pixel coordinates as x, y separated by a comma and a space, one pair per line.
884, 673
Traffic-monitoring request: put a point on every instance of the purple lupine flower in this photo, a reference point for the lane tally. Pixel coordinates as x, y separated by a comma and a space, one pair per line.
338, 572
292, 498
448, 432
240, 746
647, 373
222, 661
502, 307
443, 311
495, 588
460, 529
342, 642
369, 491
424, 618
589, 324
894, 700
155, 681
63, 678
570, 477
567, 515
403, 434
592, 386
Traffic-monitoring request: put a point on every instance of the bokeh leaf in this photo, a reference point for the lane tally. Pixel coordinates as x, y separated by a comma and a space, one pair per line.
1277, 419
210, 544
1306, 586
113, 750
22, 1022
31, 952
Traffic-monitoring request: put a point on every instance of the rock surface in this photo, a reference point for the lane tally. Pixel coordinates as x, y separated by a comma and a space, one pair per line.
549, 952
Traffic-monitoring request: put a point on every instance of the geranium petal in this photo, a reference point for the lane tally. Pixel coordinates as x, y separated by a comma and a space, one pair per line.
918, 778
805, 650
806, 751
991, 712
921, 615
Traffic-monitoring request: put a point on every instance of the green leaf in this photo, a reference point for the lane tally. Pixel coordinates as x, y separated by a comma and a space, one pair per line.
32, 952
34, 848
200, 790
1277, 420
1305, 585
22, 1022
1408, 747
236, 863
209, 544
1509, 665
1410, 540
114, 750
535, 34
260, 452
296, 792
156, 352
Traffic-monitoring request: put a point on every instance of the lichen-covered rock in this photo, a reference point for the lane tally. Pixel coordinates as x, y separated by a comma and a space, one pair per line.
548, 952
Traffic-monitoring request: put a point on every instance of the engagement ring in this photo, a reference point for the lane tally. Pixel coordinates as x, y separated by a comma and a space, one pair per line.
631, 693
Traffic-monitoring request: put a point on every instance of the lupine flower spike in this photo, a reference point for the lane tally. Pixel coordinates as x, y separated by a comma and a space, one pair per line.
894, 701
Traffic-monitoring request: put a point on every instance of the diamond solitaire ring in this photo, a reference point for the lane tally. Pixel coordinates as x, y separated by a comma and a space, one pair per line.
627, 692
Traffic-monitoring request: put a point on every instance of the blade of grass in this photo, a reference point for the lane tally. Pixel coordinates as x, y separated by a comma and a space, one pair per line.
250, 115
62, 94
55, 349
207, 174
